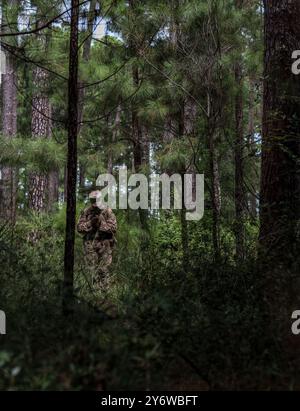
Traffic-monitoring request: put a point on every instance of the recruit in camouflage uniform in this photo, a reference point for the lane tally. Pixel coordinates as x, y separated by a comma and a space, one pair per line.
98, 228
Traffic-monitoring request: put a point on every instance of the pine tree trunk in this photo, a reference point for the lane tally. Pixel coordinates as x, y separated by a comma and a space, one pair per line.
239, 194
53, 189
113, 139
72, 161
138, 150
65, 183
280, 206
81, 90
53, 176
215, 195
85, 57
137, 130
40, 126
9, 130
251, 142
215, 186
190, 118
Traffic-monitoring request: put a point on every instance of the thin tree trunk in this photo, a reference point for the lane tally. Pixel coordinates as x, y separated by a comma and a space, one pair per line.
138, 155
184, 123
215, 190
53, 176
239, 191
85, 57
113, 139
190, 117
81, 90
137, 129
187, 118
65, 183
53, 189
251, 140
239, 194
215, 195
72, 160
184, 240
82, 171
181, 121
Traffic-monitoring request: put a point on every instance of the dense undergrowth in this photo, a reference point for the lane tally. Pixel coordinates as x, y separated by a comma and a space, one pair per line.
162, 324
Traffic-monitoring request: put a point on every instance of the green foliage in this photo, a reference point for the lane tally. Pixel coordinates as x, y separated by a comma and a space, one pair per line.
36, 154
174, 155
162, 313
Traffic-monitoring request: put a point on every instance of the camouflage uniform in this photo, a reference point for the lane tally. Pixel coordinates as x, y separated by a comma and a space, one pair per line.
98, 228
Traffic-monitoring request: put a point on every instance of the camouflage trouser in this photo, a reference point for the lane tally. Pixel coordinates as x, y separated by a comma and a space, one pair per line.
98, 258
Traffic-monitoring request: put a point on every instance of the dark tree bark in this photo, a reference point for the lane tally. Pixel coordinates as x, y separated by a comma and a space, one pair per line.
214, 121
184, 239
65, 183
187, 117
72, 160
239, 193
86, 56
53, 189
190, 118
280, 206
115, 130
139, 147
9, 129
182, 122
139, 134
81, 93
138, 137
215, 194
251, 143
214, 175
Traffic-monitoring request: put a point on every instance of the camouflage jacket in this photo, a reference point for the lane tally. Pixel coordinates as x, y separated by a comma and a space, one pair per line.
97, 225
